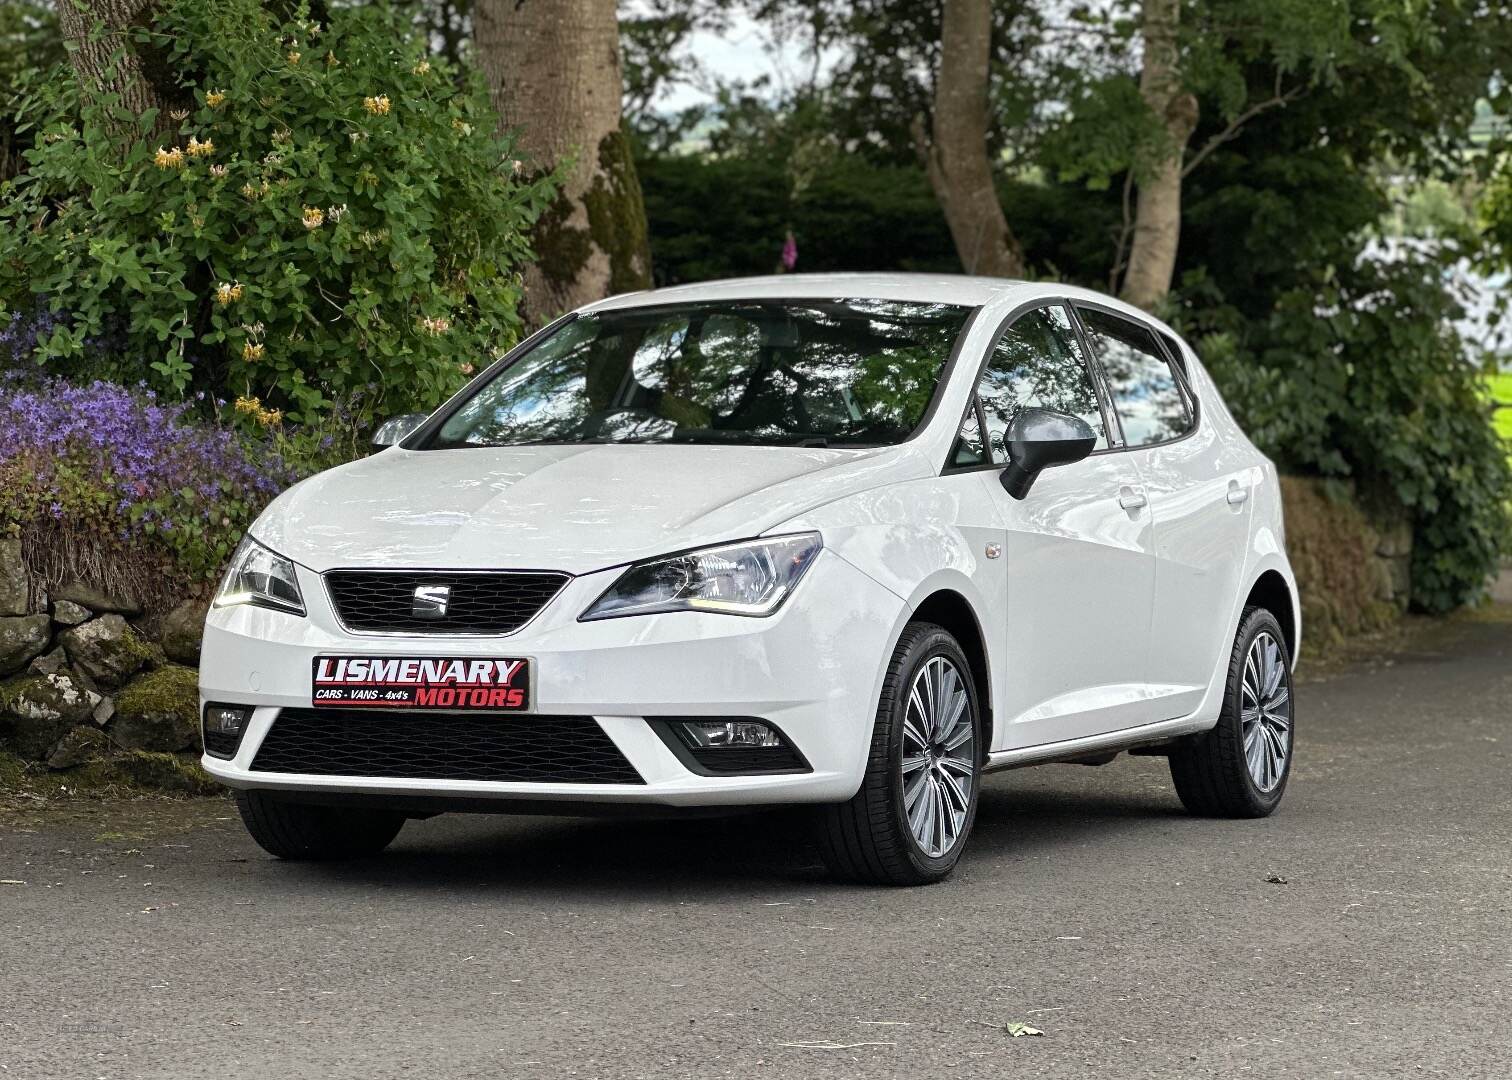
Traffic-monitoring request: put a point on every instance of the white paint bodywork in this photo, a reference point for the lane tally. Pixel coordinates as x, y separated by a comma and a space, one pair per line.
1101, 626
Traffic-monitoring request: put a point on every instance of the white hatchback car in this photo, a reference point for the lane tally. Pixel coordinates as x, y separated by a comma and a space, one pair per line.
841, 540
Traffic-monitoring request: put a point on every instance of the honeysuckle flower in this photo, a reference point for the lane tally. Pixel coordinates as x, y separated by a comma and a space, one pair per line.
179, 114
215, 98
219, 171
314, 217
378, 106
228, 292
422, 68
251, 191
168, 159
466, 368
252, 351
336, 213
331, 60
293, 56
200, 149
435, 325
253, 407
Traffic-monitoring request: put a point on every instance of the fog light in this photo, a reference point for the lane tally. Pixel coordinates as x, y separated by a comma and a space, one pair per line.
728, 745
748, 734
224, 725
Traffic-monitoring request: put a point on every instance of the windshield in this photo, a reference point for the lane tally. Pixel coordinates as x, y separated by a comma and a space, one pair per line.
784, 372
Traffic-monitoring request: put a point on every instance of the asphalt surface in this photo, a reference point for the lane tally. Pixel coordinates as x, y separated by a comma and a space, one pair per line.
1364, 931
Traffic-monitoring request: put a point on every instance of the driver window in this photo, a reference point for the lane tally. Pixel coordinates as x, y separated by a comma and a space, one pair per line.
1038, 361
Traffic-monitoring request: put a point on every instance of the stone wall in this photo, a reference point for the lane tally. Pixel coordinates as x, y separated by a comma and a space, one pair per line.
91, 686
1352, 559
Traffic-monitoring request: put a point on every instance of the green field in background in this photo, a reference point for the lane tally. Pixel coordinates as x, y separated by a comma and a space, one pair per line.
1501, 391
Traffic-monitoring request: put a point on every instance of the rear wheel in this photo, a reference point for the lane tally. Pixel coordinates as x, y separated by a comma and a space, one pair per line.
908, 823
1240, 767
294, 830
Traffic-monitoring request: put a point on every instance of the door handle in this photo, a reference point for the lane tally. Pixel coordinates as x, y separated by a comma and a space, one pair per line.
1237, 494
1130, 499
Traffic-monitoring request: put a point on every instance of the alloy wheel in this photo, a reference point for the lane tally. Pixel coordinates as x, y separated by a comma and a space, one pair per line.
1265, 712
939, 756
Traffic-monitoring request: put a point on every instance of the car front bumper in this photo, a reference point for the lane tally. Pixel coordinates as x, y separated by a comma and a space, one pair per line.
813, 669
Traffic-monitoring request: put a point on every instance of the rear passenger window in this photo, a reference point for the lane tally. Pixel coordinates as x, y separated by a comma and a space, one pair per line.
1037, 362
1149, 400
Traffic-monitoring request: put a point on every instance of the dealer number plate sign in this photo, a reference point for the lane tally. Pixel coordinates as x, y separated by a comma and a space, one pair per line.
431, 682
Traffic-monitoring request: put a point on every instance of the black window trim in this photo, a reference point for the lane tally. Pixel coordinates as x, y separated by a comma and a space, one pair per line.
417, 439
1178, 369
1090, 364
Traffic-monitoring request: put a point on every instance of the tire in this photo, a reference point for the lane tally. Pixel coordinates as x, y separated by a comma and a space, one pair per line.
1219, 774
299, 831
870, 839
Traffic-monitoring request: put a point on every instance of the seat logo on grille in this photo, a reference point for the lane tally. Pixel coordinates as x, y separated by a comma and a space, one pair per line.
430, 601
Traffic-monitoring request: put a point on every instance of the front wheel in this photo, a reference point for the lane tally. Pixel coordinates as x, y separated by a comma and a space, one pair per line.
908, 823
1240, 767
295, 830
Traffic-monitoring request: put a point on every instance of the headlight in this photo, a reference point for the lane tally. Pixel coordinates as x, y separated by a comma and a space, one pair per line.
258, 576
750, 578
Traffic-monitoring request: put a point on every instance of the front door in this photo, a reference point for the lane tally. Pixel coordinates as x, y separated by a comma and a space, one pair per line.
1078, 553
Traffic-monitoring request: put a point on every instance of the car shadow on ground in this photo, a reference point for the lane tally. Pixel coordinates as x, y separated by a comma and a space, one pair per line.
708, 855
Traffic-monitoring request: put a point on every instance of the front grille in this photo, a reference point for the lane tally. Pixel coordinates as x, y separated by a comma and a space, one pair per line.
479, 603
443, 746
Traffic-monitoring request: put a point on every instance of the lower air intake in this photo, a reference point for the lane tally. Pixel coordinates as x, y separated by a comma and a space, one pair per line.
443, 746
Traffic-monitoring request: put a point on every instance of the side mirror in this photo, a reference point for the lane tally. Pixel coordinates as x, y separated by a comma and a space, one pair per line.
393, 430
1038, 439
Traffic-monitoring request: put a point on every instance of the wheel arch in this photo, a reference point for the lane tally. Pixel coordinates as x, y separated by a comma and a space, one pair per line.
949, 609
1272, 591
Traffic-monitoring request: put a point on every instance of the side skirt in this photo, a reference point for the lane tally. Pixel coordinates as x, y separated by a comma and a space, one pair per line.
1110, 741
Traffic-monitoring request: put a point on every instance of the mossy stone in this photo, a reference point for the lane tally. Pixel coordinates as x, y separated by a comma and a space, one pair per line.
107, 649
158, 711
38, 710
21, 639
78, 746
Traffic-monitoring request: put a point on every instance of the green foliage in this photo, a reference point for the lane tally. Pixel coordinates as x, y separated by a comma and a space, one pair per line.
29, 41
1358, 372
332, 214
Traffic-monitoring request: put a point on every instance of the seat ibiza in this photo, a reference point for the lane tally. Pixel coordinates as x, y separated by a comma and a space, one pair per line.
847, 541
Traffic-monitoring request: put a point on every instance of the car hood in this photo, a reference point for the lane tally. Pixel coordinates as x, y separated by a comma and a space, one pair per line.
571, 508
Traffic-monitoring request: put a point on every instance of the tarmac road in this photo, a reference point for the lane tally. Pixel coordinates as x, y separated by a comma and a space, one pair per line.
1364, 931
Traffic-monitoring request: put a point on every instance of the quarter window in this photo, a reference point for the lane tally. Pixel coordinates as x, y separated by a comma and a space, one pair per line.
968, 448
1145, 390
1038, 362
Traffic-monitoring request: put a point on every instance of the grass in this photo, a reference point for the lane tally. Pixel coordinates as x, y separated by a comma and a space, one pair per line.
1501, 391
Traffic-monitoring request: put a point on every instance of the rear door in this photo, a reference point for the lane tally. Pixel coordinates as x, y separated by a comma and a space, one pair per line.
1080, 566
1199, 498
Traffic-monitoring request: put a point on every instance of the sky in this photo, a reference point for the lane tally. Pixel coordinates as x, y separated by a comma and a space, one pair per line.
744, 54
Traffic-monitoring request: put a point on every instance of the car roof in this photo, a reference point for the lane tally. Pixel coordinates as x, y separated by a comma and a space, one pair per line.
965, 289
922, 288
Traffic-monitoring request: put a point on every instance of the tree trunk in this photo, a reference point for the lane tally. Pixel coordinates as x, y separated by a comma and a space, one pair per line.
956, 156
553, 67
140, 77
1157, 215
